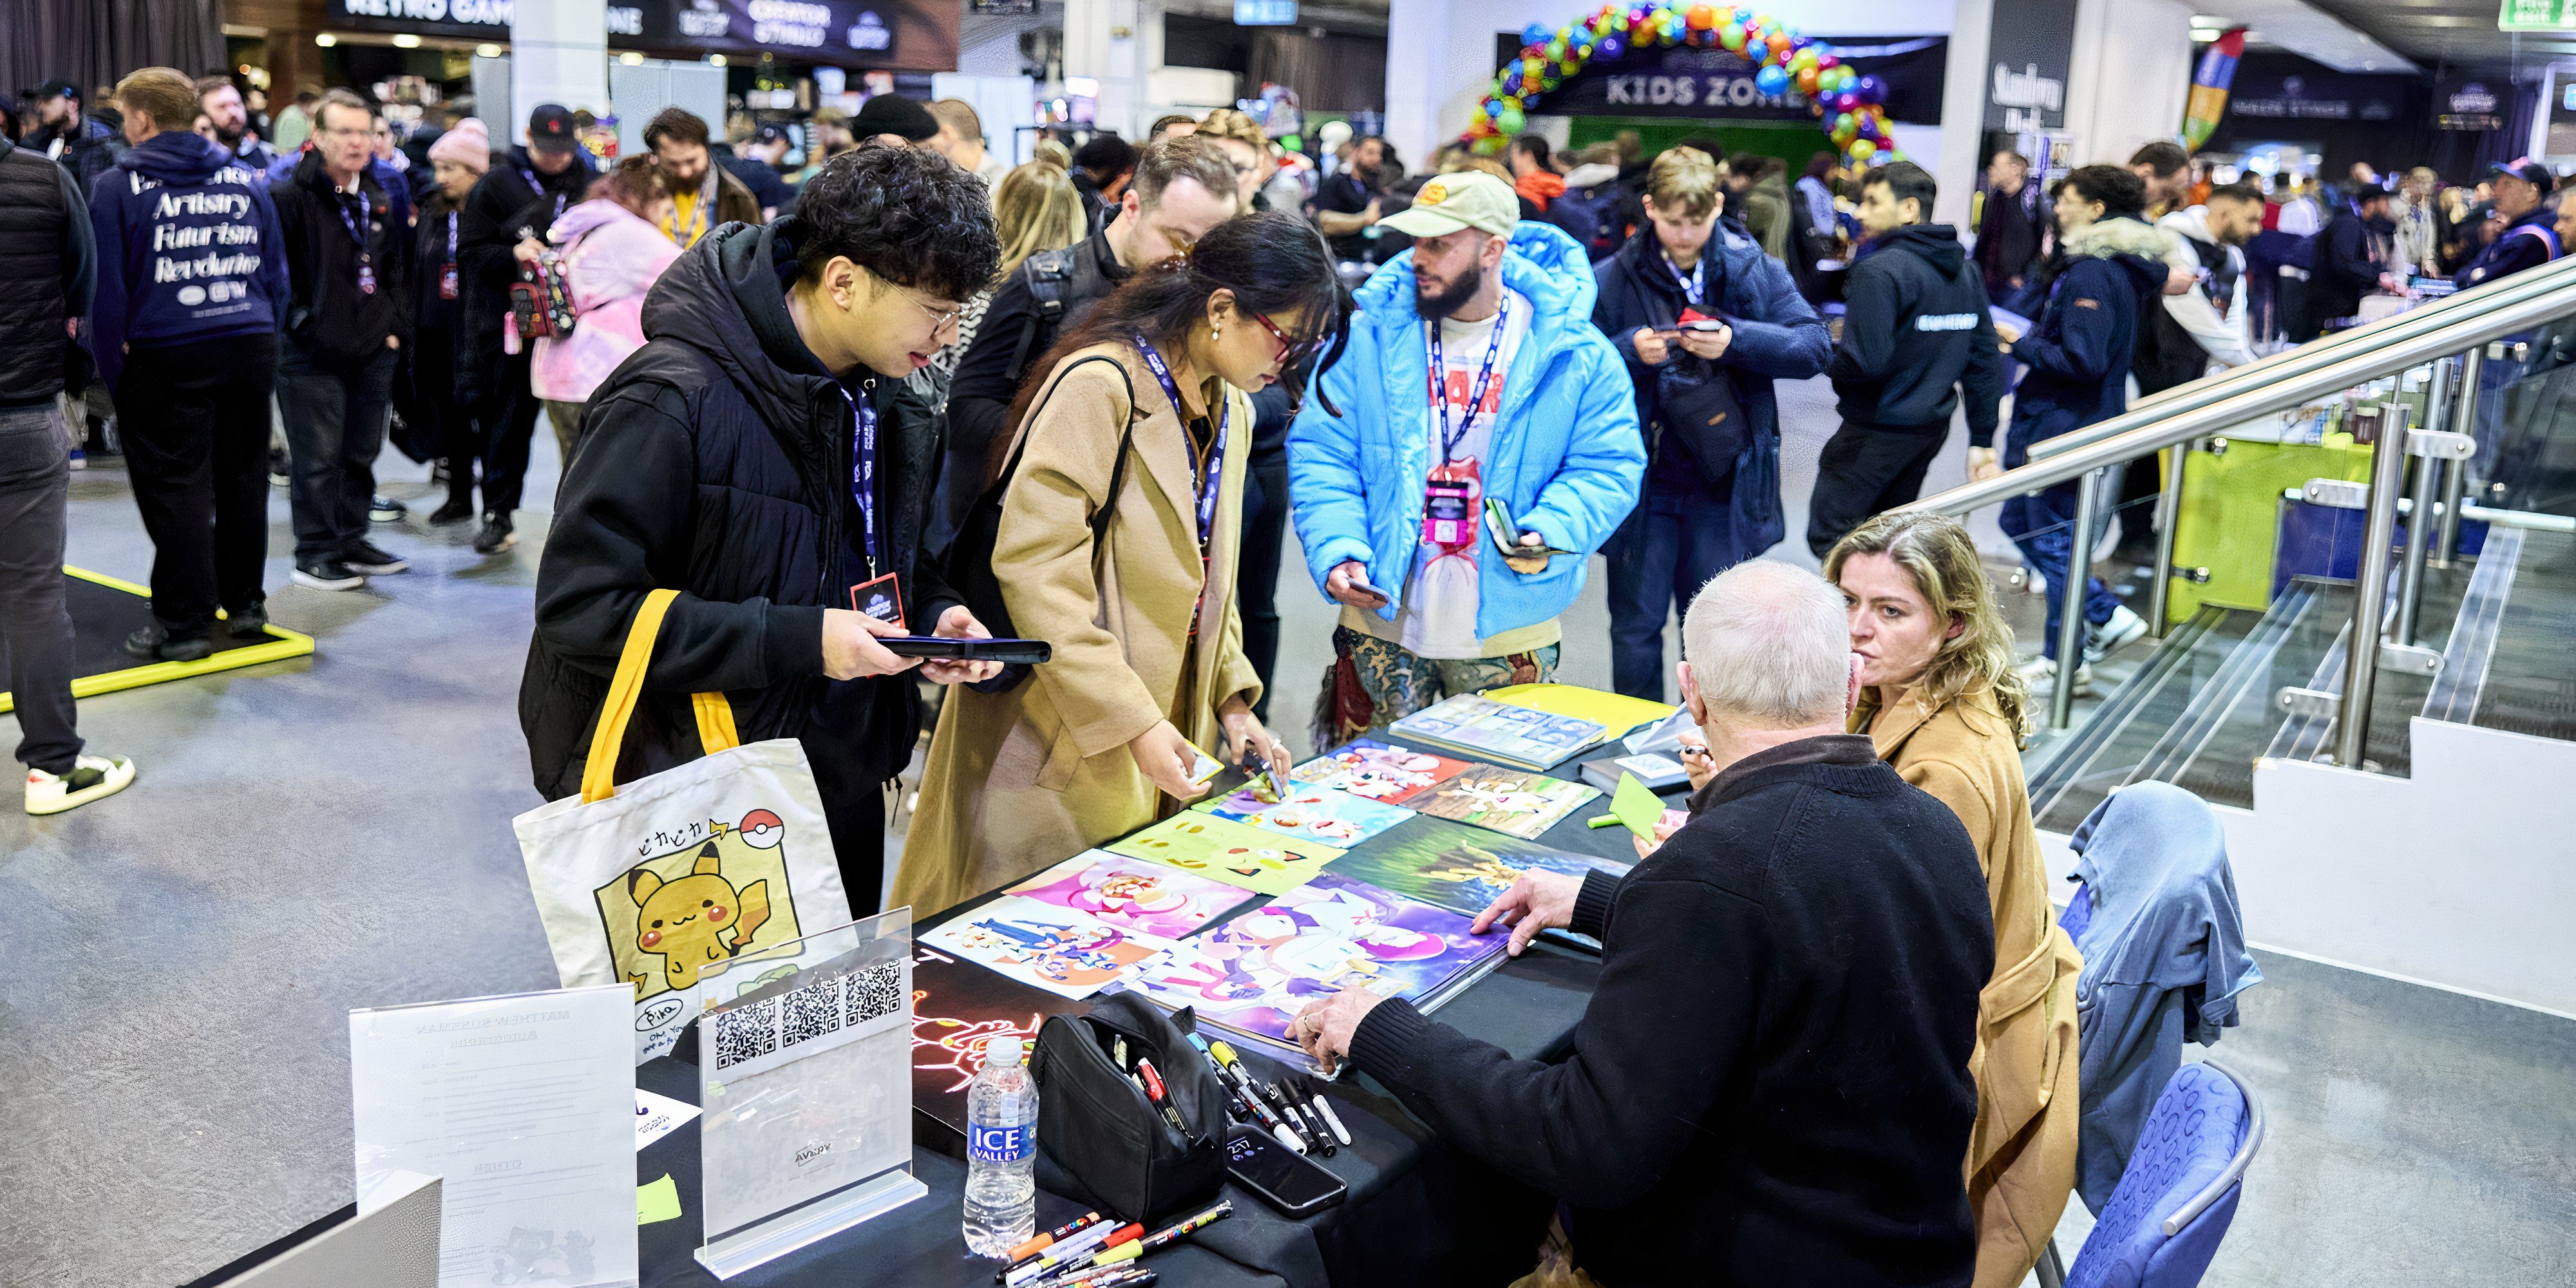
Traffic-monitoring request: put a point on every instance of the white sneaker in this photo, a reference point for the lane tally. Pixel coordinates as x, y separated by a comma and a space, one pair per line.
91, 778
2040, 675
2124, 627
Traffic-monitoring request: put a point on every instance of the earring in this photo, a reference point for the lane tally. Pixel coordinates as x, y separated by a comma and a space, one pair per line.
1216, 330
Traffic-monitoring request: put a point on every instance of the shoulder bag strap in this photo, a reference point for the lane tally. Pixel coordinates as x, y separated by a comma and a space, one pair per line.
715, 716
1126, 438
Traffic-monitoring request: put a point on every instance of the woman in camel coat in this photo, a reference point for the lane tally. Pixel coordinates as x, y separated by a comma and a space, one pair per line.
1943, 704
1148, 667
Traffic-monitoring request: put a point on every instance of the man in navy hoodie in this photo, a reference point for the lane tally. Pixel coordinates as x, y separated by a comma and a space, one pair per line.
189, 278
2078, 352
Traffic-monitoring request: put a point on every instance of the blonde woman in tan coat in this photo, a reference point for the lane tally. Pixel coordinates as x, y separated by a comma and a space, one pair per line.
1148, 669
1942, 703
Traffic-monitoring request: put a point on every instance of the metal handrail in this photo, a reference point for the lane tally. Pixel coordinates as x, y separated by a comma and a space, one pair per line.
2467, 329
2309, 357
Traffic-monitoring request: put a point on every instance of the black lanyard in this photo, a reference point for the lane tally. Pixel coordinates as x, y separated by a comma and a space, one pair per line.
357, 233
1213, 481
1449, 439
863, 472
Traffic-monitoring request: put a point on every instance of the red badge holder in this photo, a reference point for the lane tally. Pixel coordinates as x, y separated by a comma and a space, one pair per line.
881, 599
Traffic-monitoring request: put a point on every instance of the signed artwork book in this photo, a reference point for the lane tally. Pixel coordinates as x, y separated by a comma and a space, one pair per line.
1380, 771
1516, 735
1318, 814
1255, 972
1132, 894
1245, 857
958, 1009
1512, 801
1067, 953
1462, 869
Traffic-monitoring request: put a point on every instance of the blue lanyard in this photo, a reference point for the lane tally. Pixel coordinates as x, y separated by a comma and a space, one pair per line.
540, 189
1449, 439
863, 472
340, 202
1213, 481
451, 237
1695, 286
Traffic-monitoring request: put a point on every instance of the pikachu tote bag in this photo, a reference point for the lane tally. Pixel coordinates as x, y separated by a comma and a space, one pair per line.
687, 882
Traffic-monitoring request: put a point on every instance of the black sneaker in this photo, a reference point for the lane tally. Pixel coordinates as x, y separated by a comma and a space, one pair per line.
277, 467
153, 643
372, 559
438, 470
248, 621
326, 574
457, 510
496, 535
385, 509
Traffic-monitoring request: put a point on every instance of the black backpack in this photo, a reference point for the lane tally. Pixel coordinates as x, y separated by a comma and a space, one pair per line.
1050, 274
970, 554
1590, 216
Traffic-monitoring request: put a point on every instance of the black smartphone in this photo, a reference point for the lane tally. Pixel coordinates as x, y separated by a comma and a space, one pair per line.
1020, 652
1294, 1185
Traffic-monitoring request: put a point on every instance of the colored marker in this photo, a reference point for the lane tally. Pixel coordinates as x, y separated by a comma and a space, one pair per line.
1076, 1249
1314, 1131
1605, 820
1183, 1229
1047, 1240
1114, 1274
1160, 1095
1307, 1101
1332, 1119
1122, 1246
1233, 1068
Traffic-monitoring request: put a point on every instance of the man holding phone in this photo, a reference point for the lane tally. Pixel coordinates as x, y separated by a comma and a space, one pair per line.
1706, 322
1473, 375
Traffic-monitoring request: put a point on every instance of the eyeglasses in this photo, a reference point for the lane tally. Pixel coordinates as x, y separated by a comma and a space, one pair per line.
1290, 351
940, 319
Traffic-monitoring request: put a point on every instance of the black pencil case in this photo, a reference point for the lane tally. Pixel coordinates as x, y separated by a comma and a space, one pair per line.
1104, 1133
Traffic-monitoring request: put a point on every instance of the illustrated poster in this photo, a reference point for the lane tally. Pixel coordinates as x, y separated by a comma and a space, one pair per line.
1067, 953
1209, 846
1380, 771
1511, 801
1318, 814
1462, 869
1132, 894
958, 1009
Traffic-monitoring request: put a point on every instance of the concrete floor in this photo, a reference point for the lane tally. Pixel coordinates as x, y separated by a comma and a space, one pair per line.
309, 837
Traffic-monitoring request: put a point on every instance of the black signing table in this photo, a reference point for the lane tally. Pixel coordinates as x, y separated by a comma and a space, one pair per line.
1391, 1224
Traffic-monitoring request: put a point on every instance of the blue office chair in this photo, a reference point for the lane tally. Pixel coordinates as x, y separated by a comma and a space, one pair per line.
2179, 1191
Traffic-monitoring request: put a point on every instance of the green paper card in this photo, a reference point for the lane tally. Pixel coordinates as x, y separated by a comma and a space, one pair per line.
658, 1201
1637, 805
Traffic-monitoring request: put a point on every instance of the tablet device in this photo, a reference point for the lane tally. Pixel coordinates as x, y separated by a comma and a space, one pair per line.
1011, 652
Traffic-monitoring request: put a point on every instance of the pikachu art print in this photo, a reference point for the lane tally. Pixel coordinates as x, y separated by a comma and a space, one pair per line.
677, 913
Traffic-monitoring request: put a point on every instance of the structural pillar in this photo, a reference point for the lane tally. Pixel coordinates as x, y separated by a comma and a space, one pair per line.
558, 54
1119, 45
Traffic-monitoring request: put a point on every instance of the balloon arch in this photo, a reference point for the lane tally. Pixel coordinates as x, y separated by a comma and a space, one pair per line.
1851, 105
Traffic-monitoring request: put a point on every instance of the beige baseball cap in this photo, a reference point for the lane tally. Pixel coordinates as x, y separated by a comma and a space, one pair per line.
1467, 199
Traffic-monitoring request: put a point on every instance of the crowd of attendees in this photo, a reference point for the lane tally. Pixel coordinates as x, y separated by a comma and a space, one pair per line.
912, 389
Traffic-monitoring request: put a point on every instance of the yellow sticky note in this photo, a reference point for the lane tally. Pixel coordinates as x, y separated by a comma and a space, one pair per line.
1637, 805
658, 1201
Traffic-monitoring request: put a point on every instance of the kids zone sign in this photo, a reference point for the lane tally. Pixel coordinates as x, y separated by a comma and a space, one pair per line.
1684, 81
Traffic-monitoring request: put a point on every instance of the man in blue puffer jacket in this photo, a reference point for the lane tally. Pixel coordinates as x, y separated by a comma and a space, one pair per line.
191, 286
1389, 491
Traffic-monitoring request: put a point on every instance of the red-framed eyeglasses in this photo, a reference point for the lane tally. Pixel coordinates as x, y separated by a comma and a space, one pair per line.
1289, 350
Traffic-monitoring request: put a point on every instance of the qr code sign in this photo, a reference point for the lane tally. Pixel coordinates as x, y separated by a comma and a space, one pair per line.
876, 991
746, 1033
810, 1012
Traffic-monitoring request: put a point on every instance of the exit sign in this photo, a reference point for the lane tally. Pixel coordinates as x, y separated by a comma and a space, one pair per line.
1277, 13
2530, 15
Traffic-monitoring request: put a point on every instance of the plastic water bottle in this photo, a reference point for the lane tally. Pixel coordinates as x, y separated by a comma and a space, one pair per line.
1001, 1152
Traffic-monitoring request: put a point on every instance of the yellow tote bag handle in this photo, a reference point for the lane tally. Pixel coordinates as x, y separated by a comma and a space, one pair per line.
715, 715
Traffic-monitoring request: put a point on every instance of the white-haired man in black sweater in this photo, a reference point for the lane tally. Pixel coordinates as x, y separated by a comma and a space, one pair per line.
1770, 1084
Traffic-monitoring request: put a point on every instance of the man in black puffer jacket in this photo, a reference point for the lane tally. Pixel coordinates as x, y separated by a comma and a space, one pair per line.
1916, 336
718, 461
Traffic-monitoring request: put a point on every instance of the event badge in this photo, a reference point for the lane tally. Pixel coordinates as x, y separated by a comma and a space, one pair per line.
366, 279
881, 599
447, 281
1447, 512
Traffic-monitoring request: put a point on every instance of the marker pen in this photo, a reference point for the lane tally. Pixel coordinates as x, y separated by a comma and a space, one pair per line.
1078, 1248
1332, 1119
1232, 1069
1154, 1242
1121, 1246
1161, 1096
1046, 1240
1183, 1229
1314, 1114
